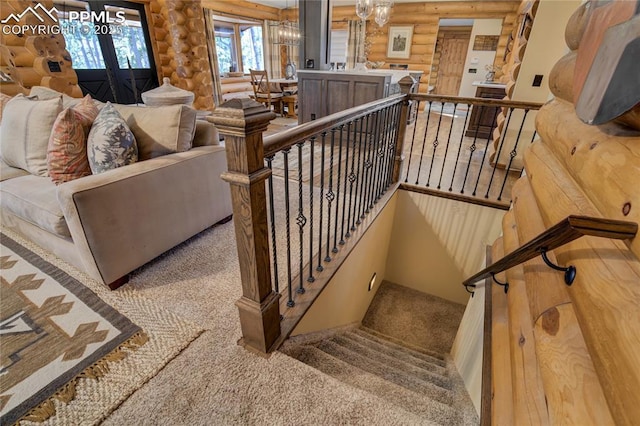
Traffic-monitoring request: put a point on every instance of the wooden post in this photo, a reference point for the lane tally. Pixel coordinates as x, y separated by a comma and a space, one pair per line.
242, 122
407, 85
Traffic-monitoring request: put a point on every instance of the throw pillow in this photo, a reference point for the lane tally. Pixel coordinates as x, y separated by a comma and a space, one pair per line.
67, 151
160, 130
111, 143
3, 101
24, 134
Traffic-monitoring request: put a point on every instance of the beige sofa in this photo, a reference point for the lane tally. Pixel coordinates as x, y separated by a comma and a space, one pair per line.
111, 223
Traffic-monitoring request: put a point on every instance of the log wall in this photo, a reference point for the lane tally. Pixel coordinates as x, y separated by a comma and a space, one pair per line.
586, 362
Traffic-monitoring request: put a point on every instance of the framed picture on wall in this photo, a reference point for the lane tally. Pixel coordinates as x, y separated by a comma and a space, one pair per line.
400, 41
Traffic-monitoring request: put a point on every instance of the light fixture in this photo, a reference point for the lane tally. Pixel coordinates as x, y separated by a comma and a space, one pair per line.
286, 33
382, 9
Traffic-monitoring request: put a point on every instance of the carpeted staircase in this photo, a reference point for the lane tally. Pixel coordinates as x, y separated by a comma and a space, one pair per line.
399, 355
419, 381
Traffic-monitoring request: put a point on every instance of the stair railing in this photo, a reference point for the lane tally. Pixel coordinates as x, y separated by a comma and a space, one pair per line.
569, 229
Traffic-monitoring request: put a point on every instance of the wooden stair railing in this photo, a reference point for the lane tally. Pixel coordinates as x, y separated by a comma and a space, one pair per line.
569, 229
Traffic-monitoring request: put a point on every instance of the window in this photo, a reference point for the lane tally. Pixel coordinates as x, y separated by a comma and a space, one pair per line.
339, 45
239, 45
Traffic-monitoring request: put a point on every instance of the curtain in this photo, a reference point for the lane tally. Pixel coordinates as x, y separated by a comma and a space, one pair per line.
213, 56
355, 43
271, 51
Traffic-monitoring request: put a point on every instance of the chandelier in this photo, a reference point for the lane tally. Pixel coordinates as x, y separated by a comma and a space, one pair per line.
285, 32
382, 9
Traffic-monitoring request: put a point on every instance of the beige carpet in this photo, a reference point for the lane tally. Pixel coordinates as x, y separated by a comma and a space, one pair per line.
215, 382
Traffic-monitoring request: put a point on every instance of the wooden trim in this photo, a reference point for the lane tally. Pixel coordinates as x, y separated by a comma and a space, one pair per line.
453, 196
569, 229
486, 397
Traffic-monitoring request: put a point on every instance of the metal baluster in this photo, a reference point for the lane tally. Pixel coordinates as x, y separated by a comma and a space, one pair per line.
497, 157
330, 195
346, 180
290, 302
273, 225
375, 142
446, 149
358, 176
301, 220
512, 154
424, 141
362, 176
472, 148
352, 177
435, 144
455, 166
319, 267
335, 227
364, 207
312, 141
393, 138
413, 138
380, 176
486, 147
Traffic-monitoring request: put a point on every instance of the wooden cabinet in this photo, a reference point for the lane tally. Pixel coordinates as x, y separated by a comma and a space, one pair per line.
483, 119
321, 93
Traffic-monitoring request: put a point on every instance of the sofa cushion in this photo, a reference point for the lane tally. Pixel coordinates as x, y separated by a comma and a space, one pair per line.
26, 127
34, 199
160, 130
3, 101
8, 172
67, 150
206, 134
111, 143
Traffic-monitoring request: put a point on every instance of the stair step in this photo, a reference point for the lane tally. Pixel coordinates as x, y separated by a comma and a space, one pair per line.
413, 402
387, 372
409, 368
423, 354
399, 353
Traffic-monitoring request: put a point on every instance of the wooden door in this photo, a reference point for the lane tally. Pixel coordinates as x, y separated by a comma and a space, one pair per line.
452, 61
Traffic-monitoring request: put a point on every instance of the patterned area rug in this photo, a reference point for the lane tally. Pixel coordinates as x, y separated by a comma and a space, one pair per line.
71, 350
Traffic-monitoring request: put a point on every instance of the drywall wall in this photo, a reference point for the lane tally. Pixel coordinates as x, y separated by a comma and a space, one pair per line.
467, 348
478, 59
346, 298
437, 242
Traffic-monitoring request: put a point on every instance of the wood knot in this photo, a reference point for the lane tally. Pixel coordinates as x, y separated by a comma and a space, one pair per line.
626, 209
593, 145
521, 341
551, 321
573, 151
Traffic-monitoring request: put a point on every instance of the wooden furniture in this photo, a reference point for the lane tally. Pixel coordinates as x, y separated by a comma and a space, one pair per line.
262, 90
483, 120
326, 92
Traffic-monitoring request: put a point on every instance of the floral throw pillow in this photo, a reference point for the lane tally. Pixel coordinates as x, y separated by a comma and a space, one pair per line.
67, 150
111, 143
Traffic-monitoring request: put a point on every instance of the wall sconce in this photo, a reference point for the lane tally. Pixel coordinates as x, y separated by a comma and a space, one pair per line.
382, 8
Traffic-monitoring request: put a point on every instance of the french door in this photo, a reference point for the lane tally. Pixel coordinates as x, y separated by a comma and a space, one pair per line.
113, 57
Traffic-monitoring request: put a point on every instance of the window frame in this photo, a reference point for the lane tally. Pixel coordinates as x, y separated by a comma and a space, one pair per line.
236, 39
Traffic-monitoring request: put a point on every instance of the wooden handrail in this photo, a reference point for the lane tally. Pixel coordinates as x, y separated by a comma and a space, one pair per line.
475, 101
569, 229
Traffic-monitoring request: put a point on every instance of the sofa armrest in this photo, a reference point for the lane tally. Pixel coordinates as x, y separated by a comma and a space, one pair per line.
123, 218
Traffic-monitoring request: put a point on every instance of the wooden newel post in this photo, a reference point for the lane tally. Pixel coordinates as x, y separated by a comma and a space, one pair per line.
407, 86
242, 122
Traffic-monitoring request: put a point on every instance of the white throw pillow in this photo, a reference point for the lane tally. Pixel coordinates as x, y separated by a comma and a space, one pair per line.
25, 130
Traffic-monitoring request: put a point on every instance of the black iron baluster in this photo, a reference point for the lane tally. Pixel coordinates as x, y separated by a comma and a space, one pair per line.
352, 176
497, 157
312, 141
472, 148
381, 176
335, 227
424, 141
446, 149
413, 138
346, 179
285, 152
455, 165
358, 176
486, 147
364, 207
301, 220
435, 143
363, 175
330, 194
393, 138
319, 267
513, 153
273, 225
375, 142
